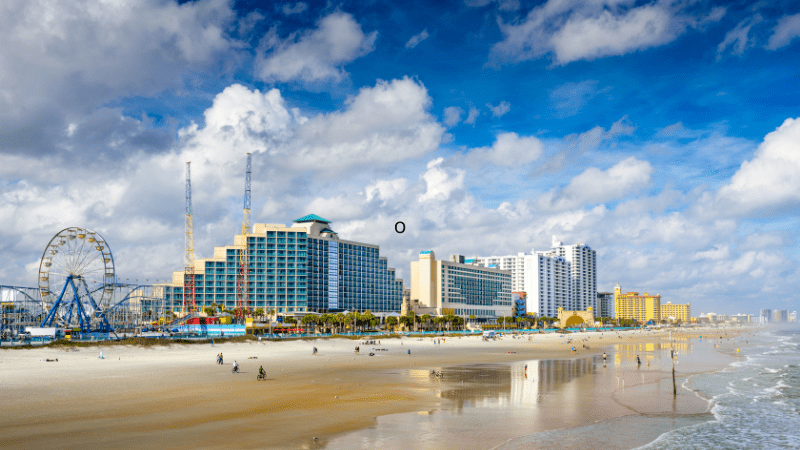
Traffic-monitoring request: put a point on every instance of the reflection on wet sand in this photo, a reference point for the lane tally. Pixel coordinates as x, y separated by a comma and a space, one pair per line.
495, 385
487, 405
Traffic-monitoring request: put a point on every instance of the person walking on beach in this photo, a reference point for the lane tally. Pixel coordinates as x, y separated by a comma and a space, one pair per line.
638, 361
605, 357
220, 358
315, 351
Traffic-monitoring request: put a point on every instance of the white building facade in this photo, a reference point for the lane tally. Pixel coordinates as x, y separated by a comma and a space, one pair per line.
563, 277
460, 288
583, 275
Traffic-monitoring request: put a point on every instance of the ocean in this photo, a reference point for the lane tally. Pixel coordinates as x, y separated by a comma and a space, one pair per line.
753, 403
756, 401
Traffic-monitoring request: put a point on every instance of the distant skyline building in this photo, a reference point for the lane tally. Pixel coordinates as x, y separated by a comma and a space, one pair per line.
678, 311
297, 269
460, 288
780, 316
793, 317
766, 316
605, 305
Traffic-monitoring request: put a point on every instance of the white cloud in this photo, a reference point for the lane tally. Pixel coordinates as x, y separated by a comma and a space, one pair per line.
785, 32
717, 253
452, 115
385, 189
417, 38
509, 150
769, 183
500, 109
441, 182
296, 9
339, 207
472, 116
593, 186
738, 39
379, 126
577, 31
317, 55
61, 59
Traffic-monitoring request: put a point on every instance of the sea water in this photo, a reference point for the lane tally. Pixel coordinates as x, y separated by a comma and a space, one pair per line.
756, 401
753, 403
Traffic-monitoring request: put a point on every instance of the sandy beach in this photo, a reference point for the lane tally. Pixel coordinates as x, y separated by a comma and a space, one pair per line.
178, 397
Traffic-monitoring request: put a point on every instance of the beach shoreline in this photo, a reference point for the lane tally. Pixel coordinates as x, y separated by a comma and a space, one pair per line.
177, 396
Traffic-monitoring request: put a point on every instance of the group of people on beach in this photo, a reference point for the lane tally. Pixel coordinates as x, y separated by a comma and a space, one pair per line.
219, 358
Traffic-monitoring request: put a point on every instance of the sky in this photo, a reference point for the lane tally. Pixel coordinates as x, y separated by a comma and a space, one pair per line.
665, 135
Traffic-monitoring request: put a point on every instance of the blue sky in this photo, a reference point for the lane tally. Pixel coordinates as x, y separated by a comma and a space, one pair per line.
662, 134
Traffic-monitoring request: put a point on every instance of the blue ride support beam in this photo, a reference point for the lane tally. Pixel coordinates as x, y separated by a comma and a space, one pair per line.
52, 314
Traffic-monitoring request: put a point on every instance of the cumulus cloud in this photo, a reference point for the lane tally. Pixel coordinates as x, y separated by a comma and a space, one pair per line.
499, 110
417, 38
452, 115
508, 150
787, 29
440, 181
472, 116
594, 186
77, 56
316, 55
385, 189
585, 31
769, 184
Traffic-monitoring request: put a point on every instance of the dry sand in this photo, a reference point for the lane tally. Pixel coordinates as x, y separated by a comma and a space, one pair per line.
177, 397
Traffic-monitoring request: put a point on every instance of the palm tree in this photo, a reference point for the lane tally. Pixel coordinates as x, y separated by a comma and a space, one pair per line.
425, 319
309, 319
339, 320
391, 321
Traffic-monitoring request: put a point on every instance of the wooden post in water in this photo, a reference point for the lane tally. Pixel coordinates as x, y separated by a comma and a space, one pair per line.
674, 387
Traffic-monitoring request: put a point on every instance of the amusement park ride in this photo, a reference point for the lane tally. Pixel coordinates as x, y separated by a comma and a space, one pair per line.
78, 288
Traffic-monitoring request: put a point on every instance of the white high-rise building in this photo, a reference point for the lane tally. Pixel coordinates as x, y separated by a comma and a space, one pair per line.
513, 264
547, 284
583, 261
563, 277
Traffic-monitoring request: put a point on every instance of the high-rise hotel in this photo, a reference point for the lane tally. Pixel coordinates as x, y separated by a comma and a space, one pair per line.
305, 267
460, 287
563, 277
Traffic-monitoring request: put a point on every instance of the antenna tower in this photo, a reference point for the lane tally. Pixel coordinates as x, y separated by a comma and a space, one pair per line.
244, 262
188, 249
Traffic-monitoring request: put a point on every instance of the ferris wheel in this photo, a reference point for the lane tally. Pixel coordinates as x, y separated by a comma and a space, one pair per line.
76, 279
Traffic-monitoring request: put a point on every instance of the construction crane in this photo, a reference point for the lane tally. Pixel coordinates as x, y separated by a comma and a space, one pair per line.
244, 253
188, 249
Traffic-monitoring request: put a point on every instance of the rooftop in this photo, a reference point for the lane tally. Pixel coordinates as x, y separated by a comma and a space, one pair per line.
311, 218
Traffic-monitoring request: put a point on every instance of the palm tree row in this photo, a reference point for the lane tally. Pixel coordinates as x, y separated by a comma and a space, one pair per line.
340, 321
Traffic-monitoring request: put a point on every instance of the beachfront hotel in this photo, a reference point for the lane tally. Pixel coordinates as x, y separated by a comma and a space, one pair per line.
675, 312
460, 288
297, 269
605, 304
563, 277
641, 308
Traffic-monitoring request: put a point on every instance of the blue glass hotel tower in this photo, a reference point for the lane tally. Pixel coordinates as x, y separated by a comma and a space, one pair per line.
297, 269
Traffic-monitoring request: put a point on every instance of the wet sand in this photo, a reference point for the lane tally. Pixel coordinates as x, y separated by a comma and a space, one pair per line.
177, 397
